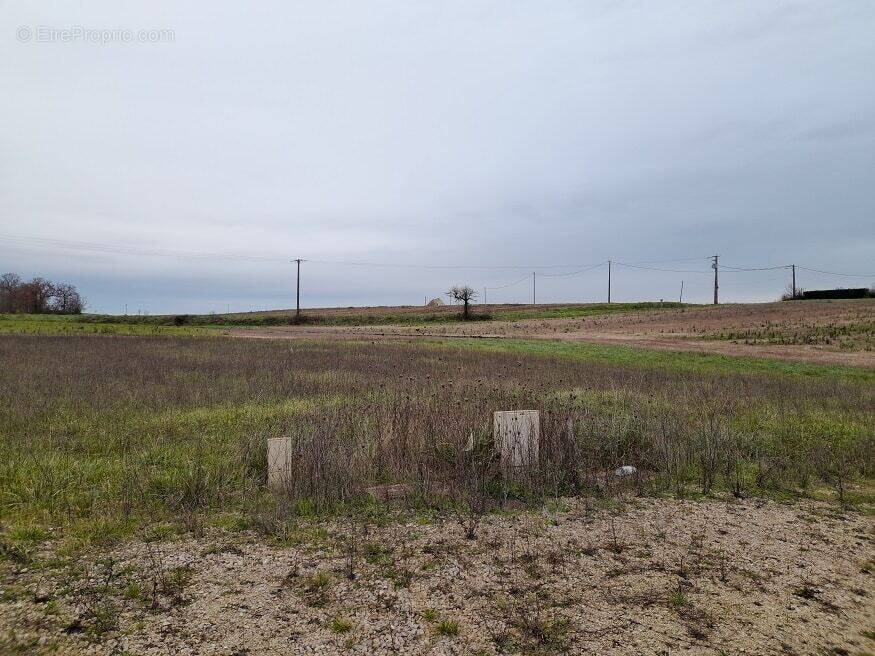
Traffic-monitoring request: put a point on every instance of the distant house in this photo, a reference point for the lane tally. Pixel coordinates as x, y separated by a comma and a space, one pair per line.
435, 302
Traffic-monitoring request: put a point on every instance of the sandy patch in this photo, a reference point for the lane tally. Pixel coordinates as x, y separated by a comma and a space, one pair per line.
657, 577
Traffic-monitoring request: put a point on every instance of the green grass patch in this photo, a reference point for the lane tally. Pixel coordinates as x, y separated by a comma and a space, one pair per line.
583, 310
340, 625
53, 324
131, 463
447, 628
678, 361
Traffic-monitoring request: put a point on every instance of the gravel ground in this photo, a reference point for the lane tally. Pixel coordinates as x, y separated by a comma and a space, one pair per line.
651, 577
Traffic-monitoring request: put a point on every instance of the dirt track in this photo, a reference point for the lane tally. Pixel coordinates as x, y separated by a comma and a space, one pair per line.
672, 330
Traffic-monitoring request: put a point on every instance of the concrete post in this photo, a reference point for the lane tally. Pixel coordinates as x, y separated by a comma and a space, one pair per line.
517, 434
279, 462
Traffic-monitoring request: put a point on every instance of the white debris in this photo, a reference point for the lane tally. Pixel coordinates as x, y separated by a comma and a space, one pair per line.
625, 470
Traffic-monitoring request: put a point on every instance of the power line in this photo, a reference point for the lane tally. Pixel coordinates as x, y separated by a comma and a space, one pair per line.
510, 284
833, 273
747, 284
546, 275
646, 268
483, 267
769, 268
574, 273
684, 259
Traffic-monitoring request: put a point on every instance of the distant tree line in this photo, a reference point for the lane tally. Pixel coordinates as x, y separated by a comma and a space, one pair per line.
38, 296
839, 293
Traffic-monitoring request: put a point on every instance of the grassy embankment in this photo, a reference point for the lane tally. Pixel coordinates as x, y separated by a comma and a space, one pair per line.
186, 323
105, 436
54, 324
676, 361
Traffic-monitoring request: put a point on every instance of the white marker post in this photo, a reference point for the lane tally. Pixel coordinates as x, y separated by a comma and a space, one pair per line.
279, 462
517, 434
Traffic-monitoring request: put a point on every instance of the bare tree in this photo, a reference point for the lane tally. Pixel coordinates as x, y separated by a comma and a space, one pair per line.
463, 294
66, 300
10, 288
38, 296
788, 294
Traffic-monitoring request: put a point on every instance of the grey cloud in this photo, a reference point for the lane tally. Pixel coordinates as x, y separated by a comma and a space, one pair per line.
481, 132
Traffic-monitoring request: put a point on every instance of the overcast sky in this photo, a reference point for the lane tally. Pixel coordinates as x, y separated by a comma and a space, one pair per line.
439, 133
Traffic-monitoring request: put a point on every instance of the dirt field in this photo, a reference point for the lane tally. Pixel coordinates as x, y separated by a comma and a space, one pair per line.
835, 332
651, 577
447, 309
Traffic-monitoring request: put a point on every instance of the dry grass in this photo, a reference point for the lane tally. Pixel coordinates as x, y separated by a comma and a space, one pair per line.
849, 336
102, 435
163, 440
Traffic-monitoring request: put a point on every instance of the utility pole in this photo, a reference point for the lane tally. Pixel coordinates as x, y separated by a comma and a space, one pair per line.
534, 284
298, 296
681, 299
484, 295
609, 281
793, 267
716, 286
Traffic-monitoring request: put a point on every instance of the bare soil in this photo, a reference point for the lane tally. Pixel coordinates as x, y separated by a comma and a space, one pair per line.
700, 329
649, 577
407, 310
